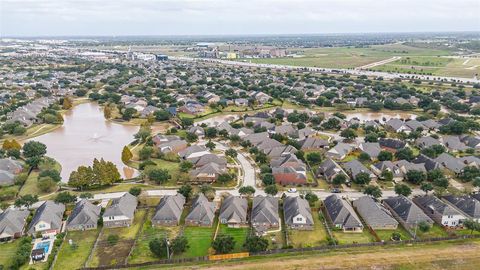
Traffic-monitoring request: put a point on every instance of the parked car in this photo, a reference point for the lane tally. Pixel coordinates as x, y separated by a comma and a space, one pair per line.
292, 190
335, 190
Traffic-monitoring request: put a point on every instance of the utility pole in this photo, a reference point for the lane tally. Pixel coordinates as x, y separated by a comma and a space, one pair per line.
167, 243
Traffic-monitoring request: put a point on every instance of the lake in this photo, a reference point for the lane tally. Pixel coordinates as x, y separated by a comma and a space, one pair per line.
85, 135
368, 116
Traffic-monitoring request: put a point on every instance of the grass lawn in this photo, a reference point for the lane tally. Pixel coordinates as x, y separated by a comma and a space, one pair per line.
313, 238
386, 235
173, 169
107, 254
239, 234
141, 252
276, 240
435, 231
465, 232
199, 240
70, 257
351, 237
7, 251
30, 186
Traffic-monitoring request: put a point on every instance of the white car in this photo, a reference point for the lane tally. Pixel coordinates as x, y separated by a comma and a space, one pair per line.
292, 190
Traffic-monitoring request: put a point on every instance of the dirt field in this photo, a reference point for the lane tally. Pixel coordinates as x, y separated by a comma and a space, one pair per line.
433, 256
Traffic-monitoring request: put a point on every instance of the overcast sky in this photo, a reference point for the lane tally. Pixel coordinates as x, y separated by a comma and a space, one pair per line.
212, 17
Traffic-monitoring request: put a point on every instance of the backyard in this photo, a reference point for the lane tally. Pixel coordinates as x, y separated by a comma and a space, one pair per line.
74, 256
313, 238
238, 234
344, 238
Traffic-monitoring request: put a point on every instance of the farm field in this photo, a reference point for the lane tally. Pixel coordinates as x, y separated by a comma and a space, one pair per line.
348, 57
74, 256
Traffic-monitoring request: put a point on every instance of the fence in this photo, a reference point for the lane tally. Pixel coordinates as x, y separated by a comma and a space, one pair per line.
293, 250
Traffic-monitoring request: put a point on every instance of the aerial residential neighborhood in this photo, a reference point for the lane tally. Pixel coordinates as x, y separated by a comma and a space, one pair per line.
239, 134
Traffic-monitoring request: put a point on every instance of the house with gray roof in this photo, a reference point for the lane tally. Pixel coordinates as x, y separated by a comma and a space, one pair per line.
355, 167
8, 169
374, 214
193, 151
84, 216
197, 130
313, 144
202, 212
256, 138
371, 148
47, 219
268, 144
207, 159
234, 212
442, 213
466, 205
430, 124
391, 145
339, 151
279, 151
286, 130
297, 213
264, 214
406, 212
379, 167
330, 169
397, 125
121, 211
341, 214
450, 162
415, 125
470, 141
453, 143
169, 210
208, 173
428, 163
12, 224
425, 142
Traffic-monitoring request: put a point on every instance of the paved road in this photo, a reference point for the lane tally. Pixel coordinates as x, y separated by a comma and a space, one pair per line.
358, 72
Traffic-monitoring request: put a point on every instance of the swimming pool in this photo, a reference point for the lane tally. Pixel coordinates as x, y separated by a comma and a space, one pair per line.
45, 245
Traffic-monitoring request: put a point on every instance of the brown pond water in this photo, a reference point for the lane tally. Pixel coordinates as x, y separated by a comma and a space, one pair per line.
86, 135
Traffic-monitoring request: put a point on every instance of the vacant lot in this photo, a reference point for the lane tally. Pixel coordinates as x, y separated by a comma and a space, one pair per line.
141, 251
313, 238
349, 57
74, 256
107, 253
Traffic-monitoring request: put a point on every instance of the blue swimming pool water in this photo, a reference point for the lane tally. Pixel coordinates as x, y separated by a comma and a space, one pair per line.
45, 245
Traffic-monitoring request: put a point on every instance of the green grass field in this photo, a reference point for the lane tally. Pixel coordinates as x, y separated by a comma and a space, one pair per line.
7, 251
386, 235
199, 240
141, 252
435, 231
238, 234
30, 186
74, 256
351, 237
313, 238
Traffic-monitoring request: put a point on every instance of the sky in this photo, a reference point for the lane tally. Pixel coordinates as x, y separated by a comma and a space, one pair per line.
233, 17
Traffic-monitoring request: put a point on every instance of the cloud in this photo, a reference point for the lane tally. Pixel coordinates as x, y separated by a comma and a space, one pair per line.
170, 17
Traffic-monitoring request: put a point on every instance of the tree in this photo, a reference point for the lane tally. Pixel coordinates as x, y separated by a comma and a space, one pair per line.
348, 134
387, 176
186, 122
186, 191
223, 244
143, 133
158, 247
231, 153
364, 157
105, 172
185, 166
33, 161
128, 113
267, 179
476, 182
271, 190
402, 189
416, 177
339, 179
179, 244
224, 178
362, 178
191, 137
441, 182
159, 176
210, 145
385, 155
126, 154
26, 200
135, 191
373, 191
314, 157
311, 197
145, 153
52, 173
210, 132
34, 149
86, 195
255, 243
82, 178
471, 225
107, 112
405, 153
246, 190
469, 173
426, 187
423, 226
67, 103
161, 115
65, 198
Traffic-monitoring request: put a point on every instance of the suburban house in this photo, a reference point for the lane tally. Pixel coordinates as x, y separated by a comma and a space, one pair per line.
379, 167
264, 214
278, 151
341, 214
207, 159
371, 148
397, 125
234, 212
202, 212
207, 173
169, 210
453, 143
121, 211
450, 162
466, 205
12, 224
355, 167
193, 151
329, 169
425, 142
169, 143
84, 216
8, 169
288, 169
391, 145
47, 219
442, 213
297, 213
339, 151
313, 144
374, 214
197, 130
406, 212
